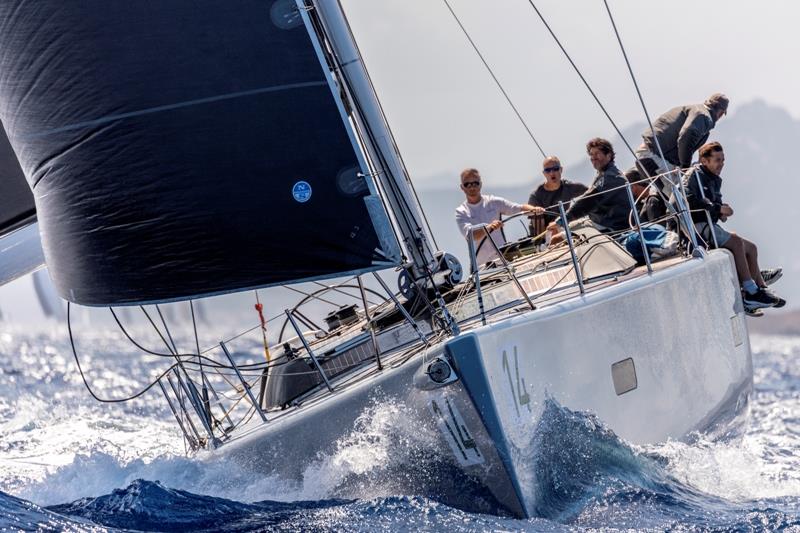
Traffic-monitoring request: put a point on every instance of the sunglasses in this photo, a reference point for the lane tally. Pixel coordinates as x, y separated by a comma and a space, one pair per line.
552, 169
471, 184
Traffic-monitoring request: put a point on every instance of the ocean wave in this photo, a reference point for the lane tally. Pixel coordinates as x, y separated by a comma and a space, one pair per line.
61, 449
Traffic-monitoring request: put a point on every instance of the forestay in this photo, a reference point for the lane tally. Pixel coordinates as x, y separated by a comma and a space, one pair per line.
182, 149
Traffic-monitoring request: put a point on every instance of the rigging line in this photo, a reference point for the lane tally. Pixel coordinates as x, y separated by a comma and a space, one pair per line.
335, 289
166, 328
583, 79
499, 85
86, 383
311, 295
152, 323
196, 340
211, 363
206, 402
424, 215
647, 116
635, 83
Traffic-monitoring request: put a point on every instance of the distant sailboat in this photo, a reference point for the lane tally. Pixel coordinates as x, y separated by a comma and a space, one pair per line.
245, 147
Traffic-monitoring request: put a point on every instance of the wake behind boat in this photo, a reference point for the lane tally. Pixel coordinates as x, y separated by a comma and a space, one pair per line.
128, 159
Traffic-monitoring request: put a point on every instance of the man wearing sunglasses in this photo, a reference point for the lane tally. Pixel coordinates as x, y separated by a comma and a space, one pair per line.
547, 195
485, 210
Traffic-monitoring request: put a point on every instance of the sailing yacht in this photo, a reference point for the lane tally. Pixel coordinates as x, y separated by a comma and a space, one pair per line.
245, 147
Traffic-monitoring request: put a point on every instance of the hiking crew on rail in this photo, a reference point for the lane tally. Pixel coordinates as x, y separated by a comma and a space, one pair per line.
607, 205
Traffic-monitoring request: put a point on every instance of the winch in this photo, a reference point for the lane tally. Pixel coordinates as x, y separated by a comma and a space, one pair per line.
346, 314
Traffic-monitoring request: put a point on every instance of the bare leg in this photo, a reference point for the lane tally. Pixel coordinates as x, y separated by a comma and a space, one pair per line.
736, 246
751, 251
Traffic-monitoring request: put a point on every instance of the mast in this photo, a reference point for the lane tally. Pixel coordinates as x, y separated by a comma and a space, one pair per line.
326, 22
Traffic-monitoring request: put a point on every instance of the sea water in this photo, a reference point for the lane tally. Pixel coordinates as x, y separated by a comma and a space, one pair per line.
68, 462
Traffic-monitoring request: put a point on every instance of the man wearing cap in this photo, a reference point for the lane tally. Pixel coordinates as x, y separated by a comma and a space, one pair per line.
679, 132
480, 215
553, 190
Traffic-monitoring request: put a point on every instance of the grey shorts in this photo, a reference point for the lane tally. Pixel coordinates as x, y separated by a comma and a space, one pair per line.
720, 232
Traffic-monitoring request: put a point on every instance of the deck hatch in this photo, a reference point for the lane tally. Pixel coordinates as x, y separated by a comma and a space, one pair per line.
737, 329
623, 373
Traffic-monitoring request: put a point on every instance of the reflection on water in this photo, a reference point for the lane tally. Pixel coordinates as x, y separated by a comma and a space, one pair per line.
123, 465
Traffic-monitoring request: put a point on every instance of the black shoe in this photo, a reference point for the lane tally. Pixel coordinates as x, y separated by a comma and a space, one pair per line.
781, 301
771, 275
749, 311
761, 298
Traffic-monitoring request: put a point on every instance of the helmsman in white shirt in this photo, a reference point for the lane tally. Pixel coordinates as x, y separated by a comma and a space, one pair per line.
479, 209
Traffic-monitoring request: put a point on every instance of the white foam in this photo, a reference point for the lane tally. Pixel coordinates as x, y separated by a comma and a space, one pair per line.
764, 462
382, 437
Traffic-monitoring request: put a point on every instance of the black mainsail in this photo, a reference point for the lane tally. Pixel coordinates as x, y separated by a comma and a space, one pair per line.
182, 149
16, 202
20, 249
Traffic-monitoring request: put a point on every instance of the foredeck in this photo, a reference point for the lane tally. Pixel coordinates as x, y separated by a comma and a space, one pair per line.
403, 354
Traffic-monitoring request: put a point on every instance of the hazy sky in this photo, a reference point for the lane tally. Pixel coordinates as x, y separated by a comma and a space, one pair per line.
447, 113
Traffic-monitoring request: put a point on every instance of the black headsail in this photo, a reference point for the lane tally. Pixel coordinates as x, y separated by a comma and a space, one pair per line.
181, 149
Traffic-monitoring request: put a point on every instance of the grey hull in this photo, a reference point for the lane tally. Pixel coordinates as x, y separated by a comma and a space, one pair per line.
654, 358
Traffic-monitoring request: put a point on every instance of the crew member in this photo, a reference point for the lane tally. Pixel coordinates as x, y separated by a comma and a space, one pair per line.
485, 210
554, 189
606, 201
679, 132
703, 184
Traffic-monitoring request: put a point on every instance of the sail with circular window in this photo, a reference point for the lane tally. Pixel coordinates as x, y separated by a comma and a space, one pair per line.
183, 149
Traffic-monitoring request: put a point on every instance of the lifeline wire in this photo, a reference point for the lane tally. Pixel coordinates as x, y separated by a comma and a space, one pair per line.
499, 85
208, 361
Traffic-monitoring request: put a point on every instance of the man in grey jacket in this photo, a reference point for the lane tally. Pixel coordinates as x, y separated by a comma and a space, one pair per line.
680, 132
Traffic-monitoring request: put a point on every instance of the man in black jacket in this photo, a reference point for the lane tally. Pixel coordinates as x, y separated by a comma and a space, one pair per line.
606, 202
554, 189
703, 191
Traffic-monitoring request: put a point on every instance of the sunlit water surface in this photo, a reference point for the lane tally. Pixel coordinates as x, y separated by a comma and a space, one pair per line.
69, 462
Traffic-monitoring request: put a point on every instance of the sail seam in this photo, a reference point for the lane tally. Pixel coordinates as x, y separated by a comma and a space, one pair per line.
177, 105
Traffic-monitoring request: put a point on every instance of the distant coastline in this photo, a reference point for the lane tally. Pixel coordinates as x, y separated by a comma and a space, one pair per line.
776, 322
